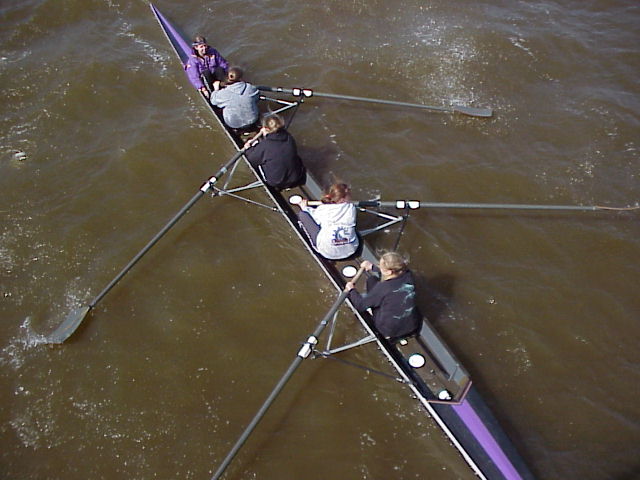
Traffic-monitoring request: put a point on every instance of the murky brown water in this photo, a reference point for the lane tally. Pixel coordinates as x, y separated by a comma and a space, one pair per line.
103, 140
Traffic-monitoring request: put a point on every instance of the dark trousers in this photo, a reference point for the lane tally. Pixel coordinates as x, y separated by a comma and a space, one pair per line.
209, 77
309, 225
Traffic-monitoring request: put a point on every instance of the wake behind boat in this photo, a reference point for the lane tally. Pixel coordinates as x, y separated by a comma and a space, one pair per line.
423, 362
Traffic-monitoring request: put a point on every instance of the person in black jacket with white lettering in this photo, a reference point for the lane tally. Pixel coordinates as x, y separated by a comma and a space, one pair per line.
390, 296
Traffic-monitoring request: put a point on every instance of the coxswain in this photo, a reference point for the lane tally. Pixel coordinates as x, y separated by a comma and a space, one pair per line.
205, 64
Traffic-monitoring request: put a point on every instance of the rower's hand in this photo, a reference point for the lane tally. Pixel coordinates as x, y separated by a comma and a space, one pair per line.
205, 92
216, 85
367, 265
250, 143
349, 286
303, 203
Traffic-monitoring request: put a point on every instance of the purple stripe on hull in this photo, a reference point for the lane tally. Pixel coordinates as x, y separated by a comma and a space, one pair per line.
175, 36
475, 425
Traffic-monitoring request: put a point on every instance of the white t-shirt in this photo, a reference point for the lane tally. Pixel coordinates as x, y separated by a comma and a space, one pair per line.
337, 238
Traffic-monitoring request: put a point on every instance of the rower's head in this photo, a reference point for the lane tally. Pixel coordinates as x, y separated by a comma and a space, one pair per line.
234, 75
272, 122
199, 45
392, 264
337, 193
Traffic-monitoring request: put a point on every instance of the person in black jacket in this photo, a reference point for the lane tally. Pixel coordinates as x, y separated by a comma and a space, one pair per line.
275, 156
390, 296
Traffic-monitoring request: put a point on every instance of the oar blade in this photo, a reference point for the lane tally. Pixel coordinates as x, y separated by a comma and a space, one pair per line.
473, 112
69, 325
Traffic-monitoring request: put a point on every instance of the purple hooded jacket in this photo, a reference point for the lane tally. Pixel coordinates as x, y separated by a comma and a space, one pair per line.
196, 66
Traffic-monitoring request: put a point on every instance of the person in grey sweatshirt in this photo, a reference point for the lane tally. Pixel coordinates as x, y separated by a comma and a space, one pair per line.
238, 100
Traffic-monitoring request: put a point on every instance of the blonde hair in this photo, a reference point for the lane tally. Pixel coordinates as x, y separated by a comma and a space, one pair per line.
272, 122
395, 262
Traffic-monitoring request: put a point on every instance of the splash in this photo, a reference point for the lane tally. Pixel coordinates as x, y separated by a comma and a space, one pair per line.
456, 55
520, 355
15, 353
521, 43
33, 420
142, 45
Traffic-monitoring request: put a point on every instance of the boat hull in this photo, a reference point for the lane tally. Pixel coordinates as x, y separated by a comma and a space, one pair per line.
464, 417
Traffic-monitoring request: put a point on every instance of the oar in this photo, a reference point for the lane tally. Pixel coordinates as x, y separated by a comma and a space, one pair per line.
303, 353
306, 92
415, 204
73, 320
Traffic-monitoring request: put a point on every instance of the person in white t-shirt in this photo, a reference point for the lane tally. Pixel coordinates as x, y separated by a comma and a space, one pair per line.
331, 226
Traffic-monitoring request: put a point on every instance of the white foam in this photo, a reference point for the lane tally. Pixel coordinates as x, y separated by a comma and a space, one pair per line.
16, 352
157, 56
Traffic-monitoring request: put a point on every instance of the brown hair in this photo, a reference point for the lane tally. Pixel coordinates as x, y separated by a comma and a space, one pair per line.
198, 40
234, 75
272, 122
395, 262
337, 193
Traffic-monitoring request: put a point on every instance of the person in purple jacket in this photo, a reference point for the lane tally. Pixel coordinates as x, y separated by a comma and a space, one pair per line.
205, 65
390, 296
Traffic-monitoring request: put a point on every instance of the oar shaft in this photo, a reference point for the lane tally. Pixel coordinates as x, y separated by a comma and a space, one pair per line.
173, 221
303, 353
147, 247
73, 320
506, 206
414, 204
170, 224
380, 101
256, 419
306, 92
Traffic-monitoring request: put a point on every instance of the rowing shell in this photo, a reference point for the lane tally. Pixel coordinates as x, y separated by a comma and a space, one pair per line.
424, 363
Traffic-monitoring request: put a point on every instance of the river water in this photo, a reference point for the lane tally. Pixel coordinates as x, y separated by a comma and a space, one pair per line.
103, 140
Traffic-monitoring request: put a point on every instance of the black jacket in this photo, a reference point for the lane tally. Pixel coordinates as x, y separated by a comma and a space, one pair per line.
392, 302
277, 157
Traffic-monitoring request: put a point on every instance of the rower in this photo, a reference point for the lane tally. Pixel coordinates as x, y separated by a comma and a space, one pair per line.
205, 64
238, 100
331, 226
390, 296
275, 155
